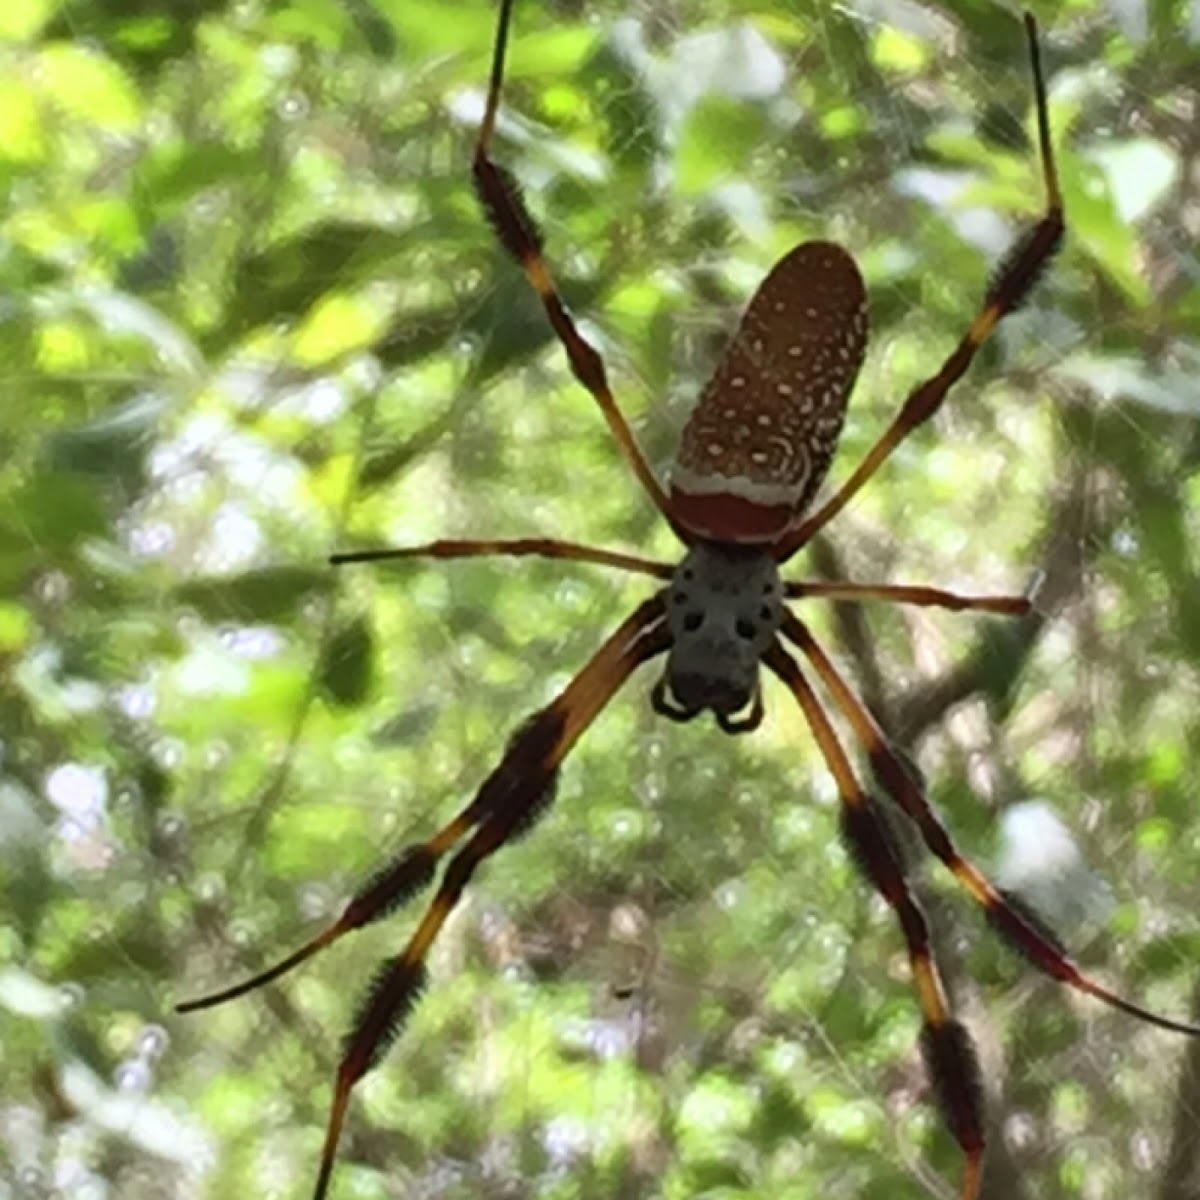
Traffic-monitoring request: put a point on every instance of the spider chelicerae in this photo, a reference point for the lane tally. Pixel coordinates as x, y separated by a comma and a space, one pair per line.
752, 458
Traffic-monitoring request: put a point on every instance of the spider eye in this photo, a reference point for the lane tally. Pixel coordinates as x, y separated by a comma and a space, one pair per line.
693, 621
744, 629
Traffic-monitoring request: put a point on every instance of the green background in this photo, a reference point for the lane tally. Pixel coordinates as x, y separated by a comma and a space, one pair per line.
250, 313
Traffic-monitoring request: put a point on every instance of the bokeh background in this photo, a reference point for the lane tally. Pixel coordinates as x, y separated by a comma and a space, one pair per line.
250, 313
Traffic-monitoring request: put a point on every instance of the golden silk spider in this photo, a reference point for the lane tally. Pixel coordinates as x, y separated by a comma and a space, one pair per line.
753, 454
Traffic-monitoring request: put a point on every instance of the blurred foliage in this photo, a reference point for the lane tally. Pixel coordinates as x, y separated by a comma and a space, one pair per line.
249, 312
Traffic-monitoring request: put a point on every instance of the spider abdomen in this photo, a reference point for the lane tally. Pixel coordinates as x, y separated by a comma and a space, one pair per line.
761, 437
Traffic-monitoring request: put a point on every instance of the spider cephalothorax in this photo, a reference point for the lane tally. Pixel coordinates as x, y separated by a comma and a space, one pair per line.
724, 608
752, 458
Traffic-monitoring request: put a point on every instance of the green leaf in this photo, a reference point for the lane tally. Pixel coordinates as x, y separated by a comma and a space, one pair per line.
346, 669
1097, 227
269, 594
716, 143
90, 87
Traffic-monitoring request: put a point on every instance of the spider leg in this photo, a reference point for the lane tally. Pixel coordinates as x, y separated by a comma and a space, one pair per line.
1011, 285
511, 547
903, 593
412, 870
519, 234
1006, 914
945, 1043
511, 799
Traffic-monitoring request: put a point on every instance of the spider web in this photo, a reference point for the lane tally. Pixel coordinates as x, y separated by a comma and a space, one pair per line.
676, 985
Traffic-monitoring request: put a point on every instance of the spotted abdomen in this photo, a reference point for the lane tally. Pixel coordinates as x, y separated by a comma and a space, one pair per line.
761, 437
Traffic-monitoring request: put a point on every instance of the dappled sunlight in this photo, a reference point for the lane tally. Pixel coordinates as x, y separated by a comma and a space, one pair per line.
251, 315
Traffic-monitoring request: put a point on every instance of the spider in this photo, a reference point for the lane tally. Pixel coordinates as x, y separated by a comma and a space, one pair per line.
753, 454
